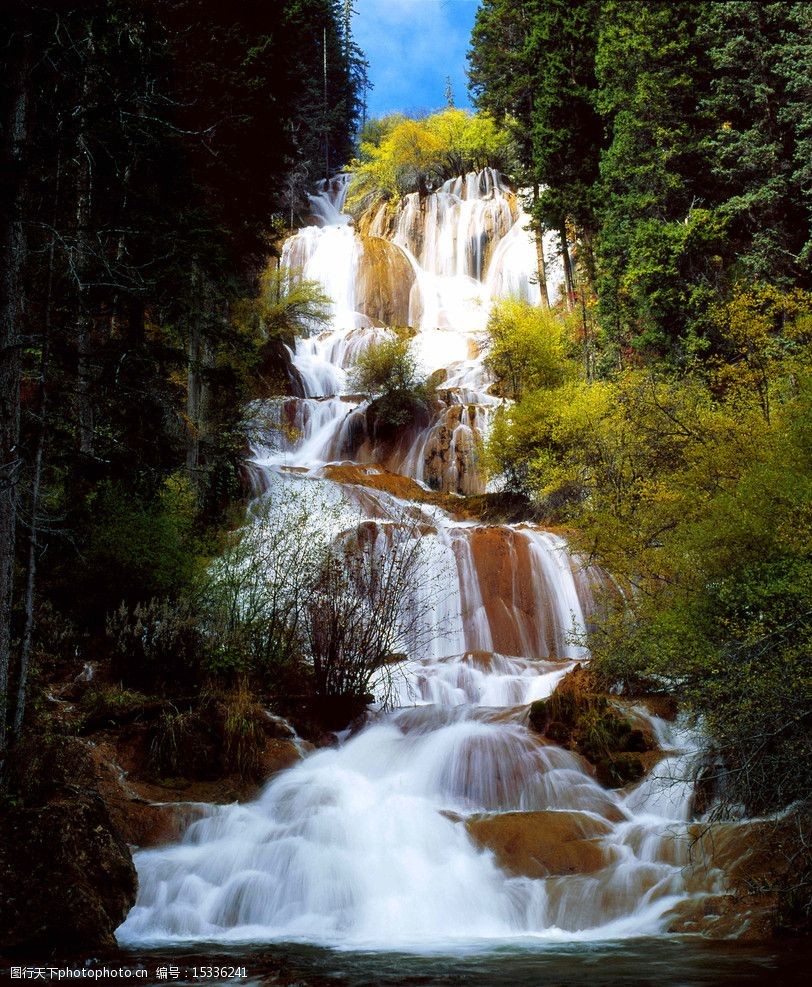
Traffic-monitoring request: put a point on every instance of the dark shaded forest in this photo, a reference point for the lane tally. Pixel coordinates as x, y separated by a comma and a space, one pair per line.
153, 154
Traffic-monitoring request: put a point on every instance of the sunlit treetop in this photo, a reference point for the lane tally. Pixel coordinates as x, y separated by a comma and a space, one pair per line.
399, 155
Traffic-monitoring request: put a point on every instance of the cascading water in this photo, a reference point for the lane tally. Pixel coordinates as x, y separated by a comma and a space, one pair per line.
393, 837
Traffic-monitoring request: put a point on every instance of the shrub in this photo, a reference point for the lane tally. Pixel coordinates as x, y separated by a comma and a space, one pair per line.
526, 348
252, 600
400, 155
110, 706
401, 394
157, 646
244, 734
184, 744
141, 547
363, 608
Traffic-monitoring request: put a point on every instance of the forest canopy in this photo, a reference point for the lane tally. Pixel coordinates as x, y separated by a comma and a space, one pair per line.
661, 408
153, 153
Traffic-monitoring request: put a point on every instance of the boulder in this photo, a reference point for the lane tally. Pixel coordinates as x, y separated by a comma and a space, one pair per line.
617, 770
579, 716
67, 876
748, 918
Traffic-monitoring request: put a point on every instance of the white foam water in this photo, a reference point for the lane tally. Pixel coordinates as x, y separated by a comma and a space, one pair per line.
371, 843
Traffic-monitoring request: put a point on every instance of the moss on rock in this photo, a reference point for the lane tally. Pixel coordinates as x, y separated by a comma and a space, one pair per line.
580, 717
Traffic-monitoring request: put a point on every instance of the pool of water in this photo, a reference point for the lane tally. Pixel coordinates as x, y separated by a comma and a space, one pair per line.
656, 962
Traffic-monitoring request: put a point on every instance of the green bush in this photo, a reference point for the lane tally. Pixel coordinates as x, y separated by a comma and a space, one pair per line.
401, 394
185, 744
141, 547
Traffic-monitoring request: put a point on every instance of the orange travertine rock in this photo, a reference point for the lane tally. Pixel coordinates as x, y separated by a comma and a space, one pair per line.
541, 844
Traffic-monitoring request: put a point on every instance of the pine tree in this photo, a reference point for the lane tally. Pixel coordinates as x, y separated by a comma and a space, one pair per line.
760, 140
655, 241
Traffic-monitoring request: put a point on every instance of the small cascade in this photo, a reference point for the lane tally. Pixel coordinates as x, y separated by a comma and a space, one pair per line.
433, 264
445, 819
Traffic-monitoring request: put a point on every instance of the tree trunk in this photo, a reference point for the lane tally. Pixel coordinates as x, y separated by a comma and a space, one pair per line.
84, 324
36, 481
116, 316
587, 254
587, 330
542, 267
538, 234
31, 574
198, 352
193, 379
324, 111
569, 281
11, 311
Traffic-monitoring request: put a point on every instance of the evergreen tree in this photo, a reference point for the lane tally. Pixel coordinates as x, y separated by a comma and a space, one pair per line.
760, 139
656, 239
146, 145
532, 63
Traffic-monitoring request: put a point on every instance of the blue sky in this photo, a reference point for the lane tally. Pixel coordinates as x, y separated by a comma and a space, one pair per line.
412, 46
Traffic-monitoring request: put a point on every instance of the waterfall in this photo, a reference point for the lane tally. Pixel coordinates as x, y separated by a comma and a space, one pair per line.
399, 835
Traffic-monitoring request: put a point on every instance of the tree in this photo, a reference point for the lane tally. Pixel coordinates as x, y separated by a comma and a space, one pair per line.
253, 601
287, 305
306, 584
15, 136
694, 499
149, 187
567, 132
364, 609
760, 126
764, 341
650, 66
387, 371
533, 64
526, 349
400, 155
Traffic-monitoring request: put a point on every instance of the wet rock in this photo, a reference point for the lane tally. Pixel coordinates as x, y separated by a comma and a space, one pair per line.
541, 844
503, 563
150, 813
558, 732
149, 824
383, 282
708, 784
388, 415
501, 508
377, 479
339, 712
618, 770
67, 876
148, 810
580, 717
452, 451
276, 375
637, 742
746, 879
539, 716
724, 916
